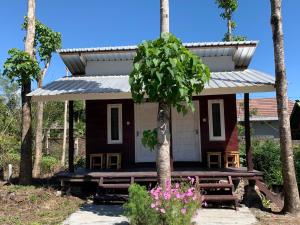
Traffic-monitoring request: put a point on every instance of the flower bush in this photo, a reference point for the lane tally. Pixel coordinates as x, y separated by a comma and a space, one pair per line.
176, 205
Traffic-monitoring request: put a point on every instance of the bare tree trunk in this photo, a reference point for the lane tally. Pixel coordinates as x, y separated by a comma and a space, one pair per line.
63, 155
39, 128
163, 117
164, 16
26, 142
291, 194
229, 28
163, 146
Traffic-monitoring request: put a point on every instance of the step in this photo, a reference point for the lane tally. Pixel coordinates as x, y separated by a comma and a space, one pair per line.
219, 198
215, 185
115, 186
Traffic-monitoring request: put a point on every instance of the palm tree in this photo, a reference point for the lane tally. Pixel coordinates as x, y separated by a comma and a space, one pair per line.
291, 194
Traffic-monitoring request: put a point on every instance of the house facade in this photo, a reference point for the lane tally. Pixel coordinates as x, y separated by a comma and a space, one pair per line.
263, 116
115, 124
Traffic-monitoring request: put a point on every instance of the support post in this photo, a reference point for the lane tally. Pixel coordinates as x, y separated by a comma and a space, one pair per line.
71, 137
247, 133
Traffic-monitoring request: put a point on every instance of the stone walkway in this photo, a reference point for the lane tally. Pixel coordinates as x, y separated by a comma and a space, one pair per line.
91, 214
225, 217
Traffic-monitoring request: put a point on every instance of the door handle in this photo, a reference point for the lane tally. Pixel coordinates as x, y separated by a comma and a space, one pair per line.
137, 133
196, 131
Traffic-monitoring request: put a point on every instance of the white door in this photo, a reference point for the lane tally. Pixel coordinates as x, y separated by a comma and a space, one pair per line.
145, 119
186, 135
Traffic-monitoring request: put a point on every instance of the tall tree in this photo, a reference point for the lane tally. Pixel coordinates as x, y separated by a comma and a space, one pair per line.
26, 143
163, 145
291, 194
46, 43
229, 7
168, 73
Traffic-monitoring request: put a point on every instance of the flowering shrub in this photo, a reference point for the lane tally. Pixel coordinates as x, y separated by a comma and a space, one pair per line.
176, 205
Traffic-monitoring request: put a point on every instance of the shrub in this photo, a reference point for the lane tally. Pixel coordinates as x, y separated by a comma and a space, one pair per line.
137, 209
48, 164
176, 205
266, 158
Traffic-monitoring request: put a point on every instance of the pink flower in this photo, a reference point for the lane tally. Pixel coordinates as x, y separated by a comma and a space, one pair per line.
162, 210
177, 185
183, 210
194, 197
167, 196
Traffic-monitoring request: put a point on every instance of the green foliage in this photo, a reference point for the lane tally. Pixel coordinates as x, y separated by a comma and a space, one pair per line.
20, 67
80, 162
297, 162
9, 151
149, 139
229, 6
234, 38
165, 71
138, 209
266, 158
48, 164
47, 41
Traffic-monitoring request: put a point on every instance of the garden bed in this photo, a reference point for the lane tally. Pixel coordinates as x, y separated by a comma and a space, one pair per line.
31, 205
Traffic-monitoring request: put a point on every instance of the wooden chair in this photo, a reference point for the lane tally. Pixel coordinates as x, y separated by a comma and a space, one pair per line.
232, 159
214, 159
113, 160
97, 161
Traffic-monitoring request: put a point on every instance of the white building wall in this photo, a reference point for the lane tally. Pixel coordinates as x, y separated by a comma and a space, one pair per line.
216, 64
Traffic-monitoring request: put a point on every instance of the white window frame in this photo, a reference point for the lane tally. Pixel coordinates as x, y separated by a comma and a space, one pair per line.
222, 120
109, 140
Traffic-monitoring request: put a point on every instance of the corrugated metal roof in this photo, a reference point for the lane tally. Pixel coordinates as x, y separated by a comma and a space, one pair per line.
134, 47
261, 109
75, 58
79, 87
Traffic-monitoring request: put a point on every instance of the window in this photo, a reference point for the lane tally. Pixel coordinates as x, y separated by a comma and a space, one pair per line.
216, 120
114, 124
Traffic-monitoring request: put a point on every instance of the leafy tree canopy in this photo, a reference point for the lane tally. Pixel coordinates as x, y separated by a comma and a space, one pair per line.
46, 42
20, 67
229, 7
165, 71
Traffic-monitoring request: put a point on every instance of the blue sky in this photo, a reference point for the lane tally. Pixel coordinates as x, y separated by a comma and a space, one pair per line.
93, 23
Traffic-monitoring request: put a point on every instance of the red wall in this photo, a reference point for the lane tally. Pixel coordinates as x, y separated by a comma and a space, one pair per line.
96, 128
230, 117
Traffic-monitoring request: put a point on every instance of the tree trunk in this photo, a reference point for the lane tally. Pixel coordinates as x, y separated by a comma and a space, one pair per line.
229, 28
39, 128
163, 117
63, 155
163, 146
26, 142
291, 194
164, 16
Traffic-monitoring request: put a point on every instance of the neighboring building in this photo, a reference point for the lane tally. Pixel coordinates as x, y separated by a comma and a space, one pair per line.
295, 121
115, 124
263, 116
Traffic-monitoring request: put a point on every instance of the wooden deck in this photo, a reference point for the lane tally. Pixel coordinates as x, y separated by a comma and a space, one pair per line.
147, 174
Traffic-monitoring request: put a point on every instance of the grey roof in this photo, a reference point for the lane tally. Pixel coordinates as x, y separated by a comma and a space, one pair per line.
134, 47
99, 87
77, 58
